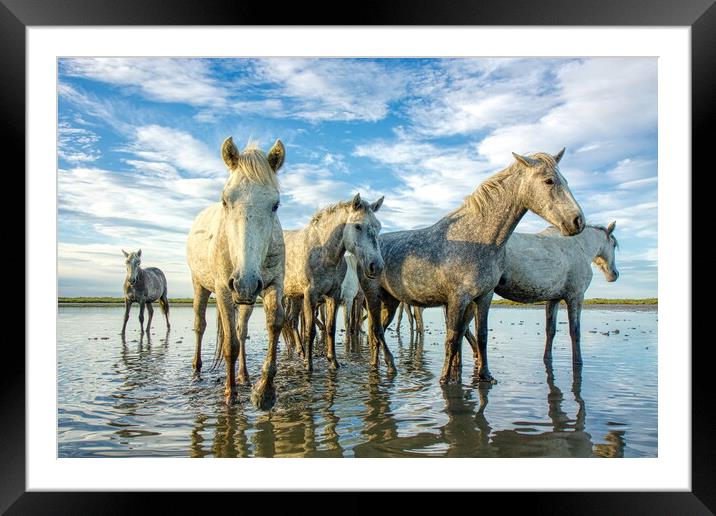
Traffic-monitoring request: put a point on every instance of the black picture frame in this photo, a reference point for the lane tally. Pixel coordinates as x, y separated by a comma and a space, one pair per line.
700, 15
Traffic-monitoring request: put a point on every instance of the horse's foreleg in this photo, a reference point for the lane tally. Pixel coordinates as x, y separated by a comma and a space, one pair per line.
201, 297
263, 395
419, 326
141, 316
387, 312
230, 344
574, 310
471, 339
309, 329
456, 320
242, 328
551, 309
482, 304
331, 307
347, 323
401, 307
127, 308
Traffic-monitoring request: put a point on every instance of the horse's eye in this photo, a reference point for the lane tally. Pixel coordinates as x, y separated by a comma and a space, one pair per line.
275, 206
549, 181
358, 228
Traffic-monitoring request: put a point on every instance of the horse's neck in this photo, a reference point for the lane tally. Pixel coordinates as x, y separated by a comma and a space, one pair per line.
329, 232
590, 242
493, 223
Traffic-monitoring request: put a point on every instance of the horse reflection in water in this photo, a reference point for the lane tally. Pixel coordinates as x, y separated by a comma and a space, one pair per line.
307, 424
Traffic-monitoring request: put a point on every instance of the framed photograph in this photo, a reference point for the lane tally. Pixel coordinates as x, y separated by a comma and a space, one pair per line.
348, 182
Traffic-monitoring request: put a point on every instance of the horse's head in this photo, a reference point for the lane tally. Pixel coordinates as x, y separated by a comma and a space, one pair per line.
249, 202
132, 261
360, 235
605, 258
545, 192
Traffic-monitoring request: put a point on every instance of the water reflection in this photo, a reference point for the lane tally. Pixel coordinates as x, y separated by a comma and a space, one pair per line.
137, 397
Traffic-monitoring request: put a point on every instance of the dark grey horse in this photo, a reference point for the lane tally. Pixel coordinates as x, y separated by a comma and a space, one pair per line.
143, 286
460, 258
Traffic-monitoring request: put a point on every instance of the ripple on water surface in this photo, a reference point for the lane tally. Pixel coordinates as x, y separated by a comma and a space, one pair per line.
138, 397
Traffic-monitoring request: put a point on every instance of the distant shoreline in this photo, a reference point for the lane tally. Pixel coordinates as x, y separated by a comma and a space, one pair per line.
622, 304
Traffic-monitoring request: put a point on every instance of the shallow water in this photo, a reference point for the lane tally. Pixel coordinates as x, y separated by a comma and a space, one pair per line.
139, 397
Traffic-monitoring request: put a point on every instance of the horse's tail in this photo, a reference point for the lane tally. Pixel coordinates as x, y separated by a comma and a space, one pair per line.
164, 304
218, 355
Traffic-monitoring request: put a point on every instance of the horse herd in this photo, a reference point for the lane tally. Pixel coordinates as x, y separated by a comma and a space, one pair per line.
237, 250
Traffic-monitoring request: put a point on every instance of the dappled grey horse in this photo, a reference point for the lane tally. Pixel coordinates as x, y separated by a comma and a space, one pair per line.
315, 266
460, 258
143, 286
235, 250
549, 267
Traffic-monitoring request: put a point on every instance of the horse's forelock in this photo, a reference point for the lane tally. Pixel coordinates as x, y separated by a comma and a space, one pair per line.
253, 165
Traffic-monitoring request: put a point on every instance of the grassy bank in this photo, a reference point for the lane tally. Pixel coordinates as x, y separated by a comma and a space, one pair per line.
503, 302
593, 301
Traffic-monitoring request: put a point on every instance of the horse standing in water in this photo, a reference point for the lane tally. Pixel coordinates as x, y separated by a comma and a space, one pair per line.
315, 266
460, 258
235, 249
143, 286
550, 267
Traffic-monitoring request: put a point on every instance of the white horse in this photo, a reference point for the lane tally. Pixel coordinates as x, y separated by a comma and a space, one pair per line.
550, 267
235, 249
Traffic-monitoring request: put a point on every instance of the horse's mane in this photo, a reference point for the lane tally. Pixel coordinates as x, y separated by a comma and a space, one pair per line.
552, 228
332, 208
604, 228
253, 165
493, 187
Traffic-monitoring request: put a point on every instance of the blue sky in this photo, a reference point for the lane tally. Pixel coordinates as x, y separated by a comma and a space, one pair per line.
139, 147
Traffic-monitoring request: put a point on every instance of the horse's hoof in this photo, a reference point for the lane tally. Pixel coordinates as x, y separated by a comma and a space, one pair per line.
243, 381
263, 395
333, 364
231, 399
308, 366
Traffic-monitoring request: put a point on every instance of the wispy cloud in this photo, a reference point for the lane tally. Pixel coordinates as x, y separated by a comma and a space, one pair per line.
187, 81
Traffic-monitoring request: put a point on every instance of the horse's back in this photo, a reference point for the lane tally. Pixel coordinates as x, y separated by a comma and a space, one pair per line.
156, 283
538, 267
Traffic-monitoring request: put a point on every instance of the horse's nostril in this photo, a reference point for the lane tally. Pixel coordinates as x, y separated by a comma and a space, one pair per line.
371, 267
578, 222
231, 283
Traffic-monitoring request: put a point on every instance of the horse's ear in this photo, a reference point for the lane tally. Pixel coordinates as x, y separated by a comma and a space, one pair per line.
357, 202
276, 155
126, 254
230, 153
139, 253
559, 155
526, 160
611, 226
377, 204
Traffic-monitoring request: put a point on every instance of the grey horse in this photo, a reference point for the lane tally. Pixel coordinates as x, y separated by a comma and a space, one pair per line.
235, 249
460, 259
550, 267
143, 286
315, 266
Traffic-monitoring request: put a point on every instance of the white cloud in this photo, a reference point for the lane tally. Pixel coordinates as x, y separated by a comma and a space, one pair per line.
330, 89
607, 111
177, 149
187, 81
